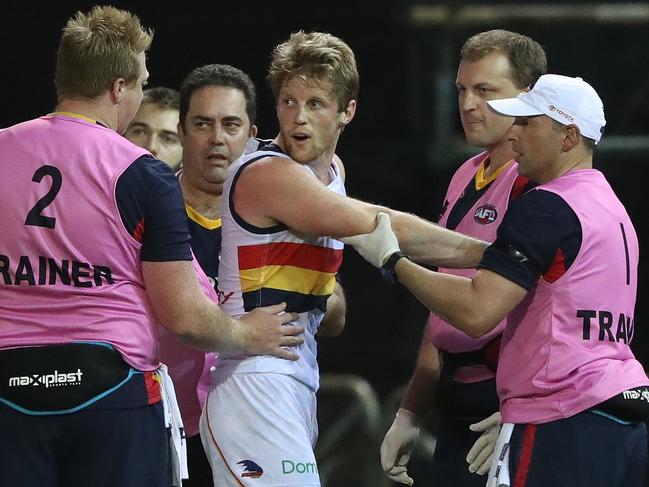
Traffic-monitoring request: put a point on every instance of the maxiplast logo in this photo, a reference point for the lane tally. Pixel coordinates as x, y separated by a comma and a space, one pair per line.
642, 395
54, 379
565, 115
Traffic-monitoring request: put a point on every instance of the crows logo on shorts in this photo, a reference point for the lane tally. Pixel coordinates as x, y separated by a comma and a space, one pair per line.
251, 469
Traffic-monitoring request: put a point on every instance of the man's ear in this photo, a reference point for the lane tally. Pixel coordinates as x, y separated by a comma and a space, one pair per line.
253, 131
181, 131
348, 114
571, 139
117, 90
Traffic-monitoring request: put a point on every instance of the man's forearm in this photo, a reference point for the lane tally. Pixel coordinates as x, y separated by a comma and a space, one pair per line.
431, 244
213, 331
449, 297
333, 322
182, 307
420, 393
474, 306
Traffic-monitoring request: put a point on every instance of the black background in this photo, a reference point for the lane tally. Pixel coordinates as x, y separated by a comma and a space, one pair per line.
386, 149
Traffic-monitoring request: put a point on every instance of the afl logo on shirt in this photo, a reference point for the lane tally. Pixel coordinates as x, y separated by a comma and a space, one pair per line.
485, 214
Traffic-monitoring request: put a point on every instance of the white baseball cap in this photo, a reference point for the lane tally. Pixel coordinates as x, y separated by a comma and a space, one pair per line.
562, 98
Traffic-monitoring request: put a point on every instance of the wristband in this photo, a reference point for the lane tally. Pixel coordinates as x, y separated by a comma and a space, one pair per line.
387, 270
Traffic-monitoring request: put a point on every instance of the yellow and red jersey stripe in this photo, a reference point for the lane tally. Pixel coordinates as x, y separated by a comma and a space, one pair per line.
301, 274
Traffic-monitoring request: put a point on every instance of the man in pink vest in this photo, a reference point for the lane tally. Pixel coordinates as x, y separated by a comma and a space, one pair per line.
94, 254
563, 270
455, 373
155, 125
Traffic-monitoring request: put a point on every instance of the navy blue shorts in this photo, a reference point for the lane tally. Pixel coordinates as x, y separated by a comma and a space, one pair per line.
98, 448
463, 404
448, 466
586, 450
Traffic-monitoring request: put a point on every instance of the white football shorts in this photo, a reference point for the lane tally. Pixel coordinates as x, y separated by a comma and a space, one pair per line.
259, 429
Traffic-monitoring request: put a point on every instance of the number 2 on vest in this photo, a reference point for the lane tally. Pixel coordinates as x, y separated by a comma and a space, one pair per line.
34, 217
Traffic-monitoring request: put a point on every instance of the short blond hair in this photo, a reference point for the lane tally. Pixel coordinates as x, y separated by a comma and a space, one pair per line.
316, 55
98, 47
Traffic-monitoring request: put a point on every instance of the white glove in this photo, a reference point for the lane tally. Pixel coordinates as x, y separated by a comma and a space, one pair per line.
482, 451
398, 444
377, 245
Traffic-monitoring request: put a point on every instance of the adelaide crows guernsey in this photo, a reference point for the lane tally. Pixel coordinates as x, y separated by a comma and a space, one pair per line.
188, 366
265, 266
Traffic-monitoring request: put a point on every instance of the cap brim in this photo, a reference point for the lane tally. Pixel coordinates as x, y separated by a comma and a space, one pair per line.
513, 107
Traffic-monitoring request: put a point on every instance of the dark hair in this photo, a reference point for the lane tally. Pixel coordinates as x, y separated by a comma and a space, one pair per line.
163, 97
218, 75
526, 56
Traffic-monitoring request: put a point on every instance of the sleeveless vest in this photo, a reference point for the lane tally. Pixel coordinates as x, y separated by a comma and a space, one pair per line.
481, 221
69, 270
566, 346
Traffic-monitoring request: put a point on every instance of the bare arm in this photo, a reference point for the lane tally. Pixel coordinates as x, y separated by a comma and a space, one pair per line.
474, 306
333, 322
280, 190
428, 243
450, 249
277, 190
180, 305
423, 383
